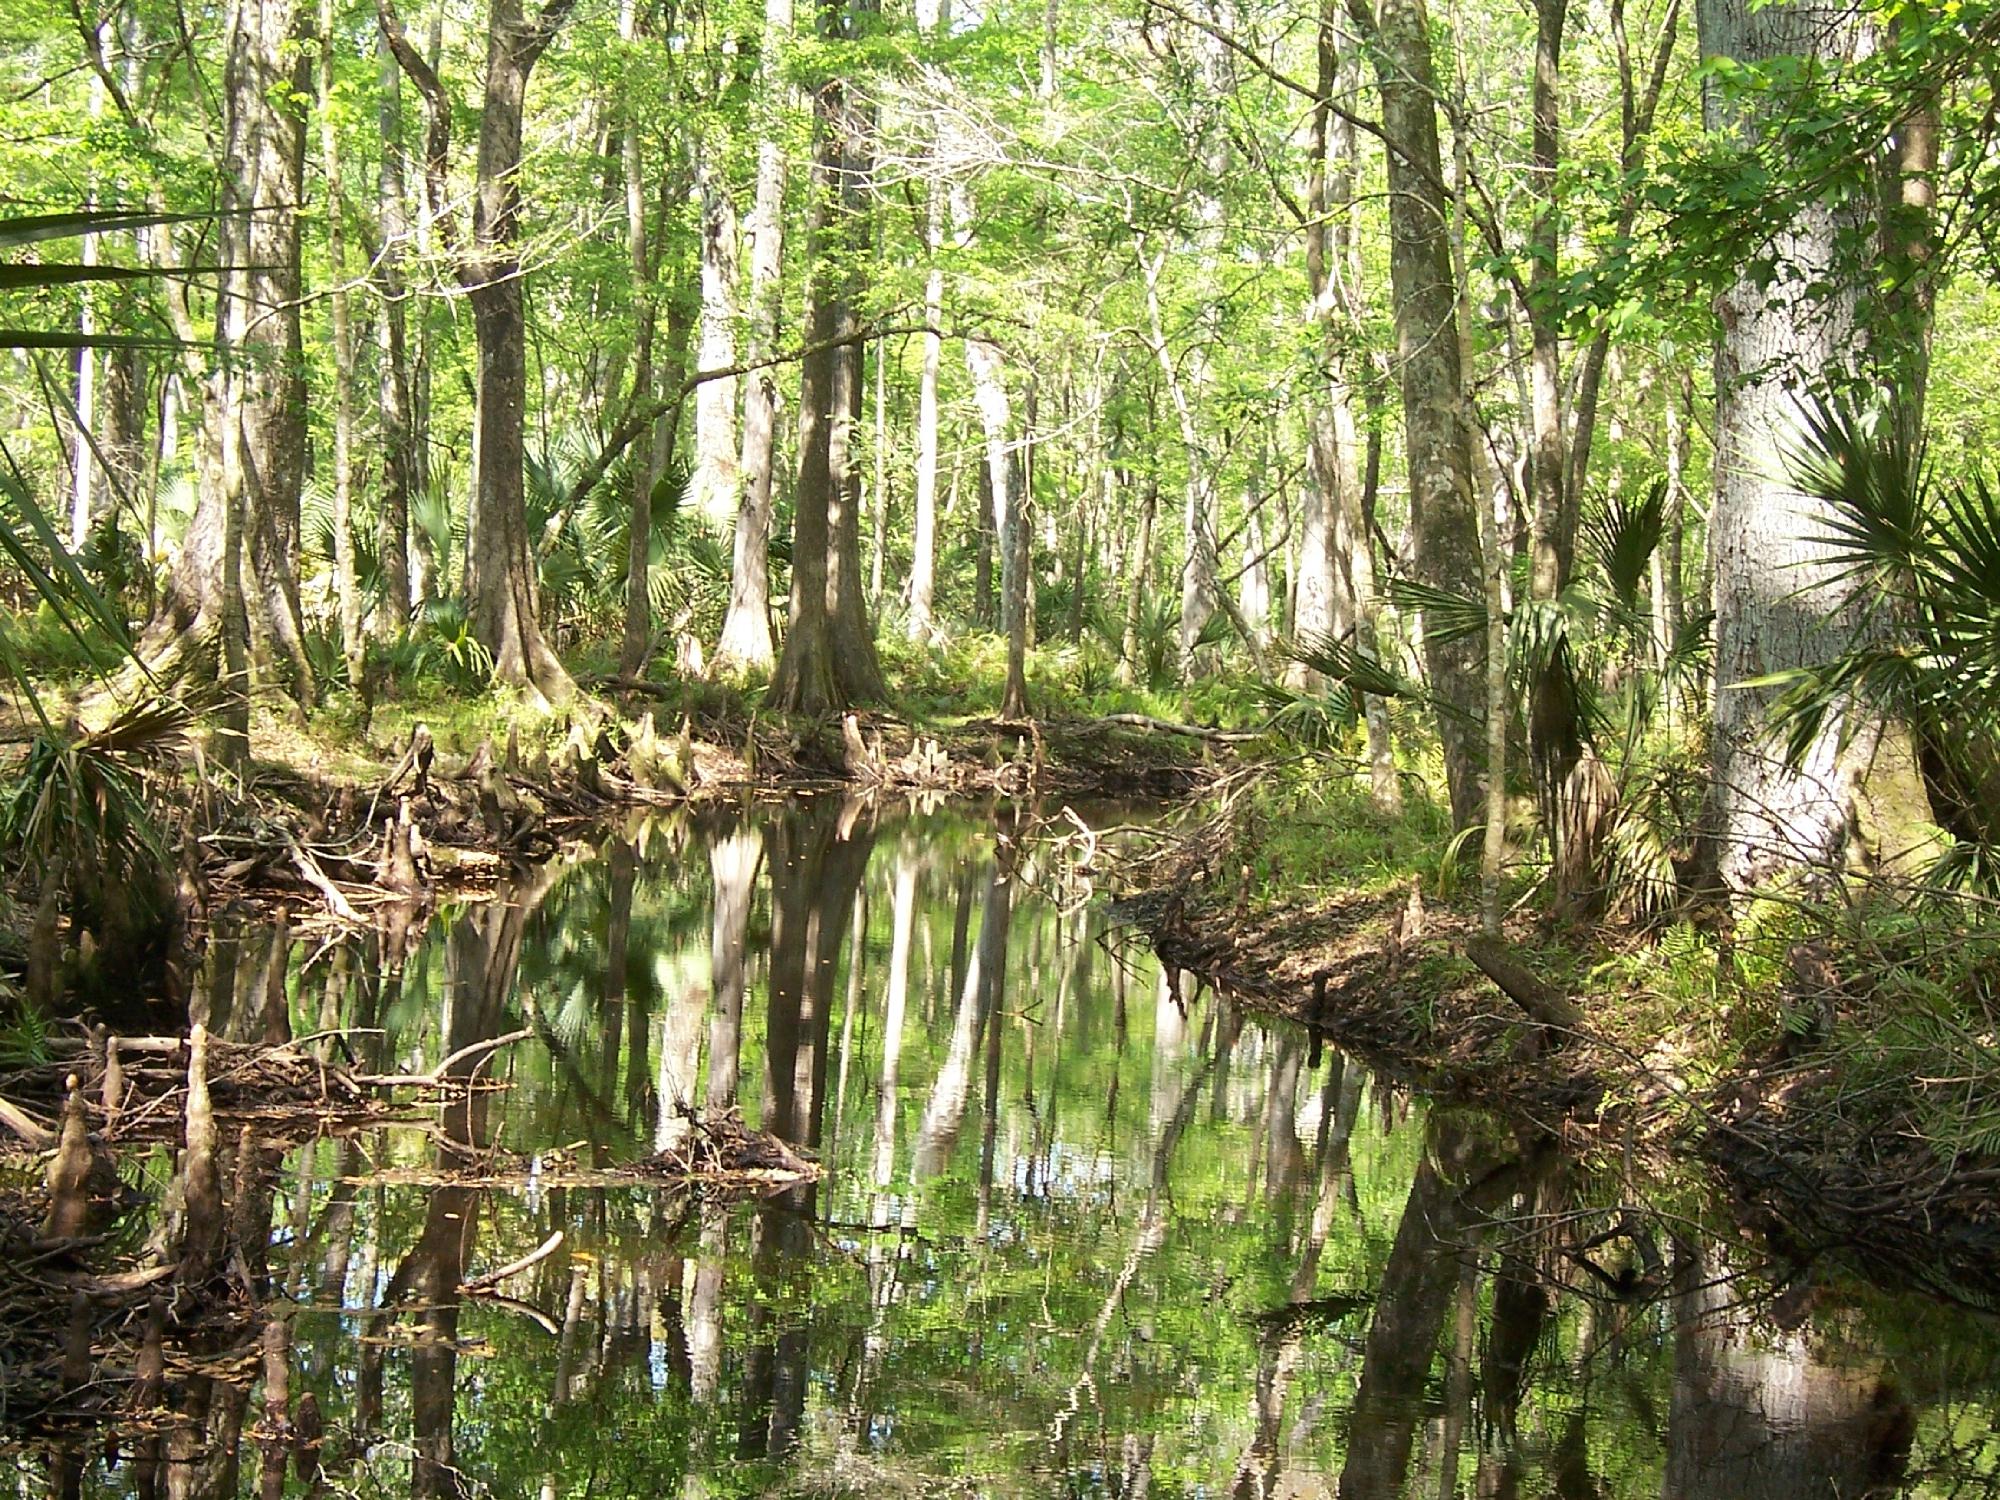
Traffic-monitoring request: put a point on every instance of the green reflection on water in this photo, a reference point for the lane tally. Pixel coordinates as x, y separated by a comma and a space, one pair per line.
1078, 1234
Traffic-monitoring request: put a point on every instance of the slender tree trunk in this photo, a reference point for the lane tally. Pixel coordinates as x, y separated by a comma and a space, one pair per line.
1142, 567
746, 630
393, 399
84, 501
1554, 539
1443, 518
714, 484
1324, 606
921, 626
1680, 415
989, 383
638, 636
1200, 593
878, 509
340, 314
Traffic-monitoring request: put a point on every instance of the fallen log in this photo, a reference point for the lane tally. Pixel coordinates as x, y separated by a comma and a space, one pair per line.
1169, 727
1542, 1001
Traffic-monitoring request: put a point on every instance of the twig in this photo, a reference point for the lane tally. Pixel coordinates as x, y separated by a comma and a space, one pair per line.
437, 1074
480, 1285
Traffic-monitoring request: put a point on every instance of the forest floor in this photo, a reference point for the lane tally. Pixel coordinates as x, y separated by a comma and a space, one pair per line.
1832, 1131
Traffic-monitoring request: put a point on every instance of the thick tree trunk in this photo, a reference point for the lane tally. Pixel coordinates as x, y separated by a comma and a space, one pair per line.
746, 630
235, 581
1759, 1413
1443, 521
500, 576
1334, 593
829, 657
1776, 603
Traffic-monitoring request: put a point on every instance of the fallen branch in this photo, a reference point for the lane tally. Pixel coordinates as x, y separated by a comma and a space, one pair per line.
24, 1125
316, 878
437, 1074
480, 1285
1192, 731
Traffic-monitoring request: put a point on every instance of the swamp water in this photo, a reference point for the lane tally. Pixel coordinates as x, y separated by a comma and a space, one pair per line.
1077, 1234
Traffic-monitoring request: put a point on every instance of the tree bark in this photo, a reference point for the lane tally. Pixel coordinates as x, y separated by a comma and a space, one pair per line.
829, 659
393, 393
235, 581
1003, 467
1443, 520
714, 484
1776, 603
340, 314
746, 630
638, 635
500, 576
1135, 599
1554, 533
1336, 593
921, 627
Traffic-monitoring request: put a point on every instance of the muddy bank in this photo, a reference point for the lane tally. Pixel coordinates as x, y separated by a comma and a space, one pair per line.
1388, 979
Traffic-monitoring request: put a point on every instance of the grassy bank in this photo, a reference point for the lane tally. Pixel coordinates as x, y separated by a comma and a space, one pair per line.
1836, 1058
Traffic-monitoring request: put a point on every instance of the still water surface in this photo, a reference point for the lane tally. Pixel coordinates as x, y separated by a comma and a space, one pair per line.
1077, 1234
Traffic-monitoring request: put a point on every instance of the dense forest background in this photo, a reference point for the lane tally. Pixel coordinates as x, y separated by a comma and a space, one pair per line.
1480, 387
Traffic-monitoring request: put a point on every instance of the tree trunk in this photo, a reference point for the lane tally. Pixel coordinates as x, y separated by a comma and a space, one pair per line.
829, 657
1554, 538
1776, 603
393, 399
921, 627
714, 483
235, 578
746, 630
1443, 521
339, 313
1199, 589
989, 384
638, 636
1759, 1413
1135, 598
500, 576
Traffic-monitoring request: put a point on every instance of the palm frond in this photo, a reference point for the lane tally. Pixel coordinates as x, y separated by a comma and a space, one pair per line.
1447, 616
1342, 661
1623, 538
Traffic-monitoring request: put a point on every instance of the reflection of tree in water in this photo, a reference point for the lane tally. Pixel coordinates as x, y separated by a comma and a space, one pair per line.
816, 869
482, 958
1146, 1263
1759, 1413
